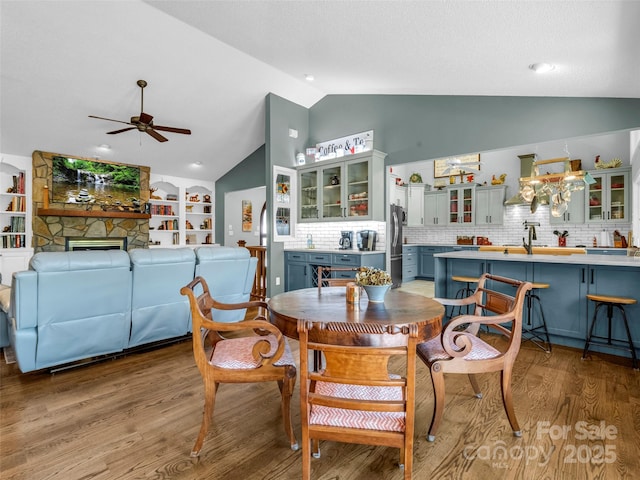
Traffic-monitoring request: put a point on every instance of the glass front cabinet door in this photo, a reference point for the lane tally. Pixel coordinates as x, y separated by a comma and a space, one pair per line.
608, 197
461, 205
337, 190
309, 210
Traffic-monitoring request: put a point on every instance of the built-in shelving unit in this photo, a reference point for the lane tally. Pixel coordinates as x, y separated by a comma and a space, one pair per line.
181, 215
199, 216
13, 205
15, 215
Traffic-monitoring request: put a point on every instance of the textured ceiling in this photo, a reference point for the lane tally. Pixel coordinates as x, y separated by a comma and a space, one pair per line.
210, 64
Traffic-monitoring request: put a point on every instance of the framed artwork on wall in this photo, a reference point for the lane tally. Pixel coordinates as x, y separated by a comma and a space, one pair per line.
444, 167
247, 216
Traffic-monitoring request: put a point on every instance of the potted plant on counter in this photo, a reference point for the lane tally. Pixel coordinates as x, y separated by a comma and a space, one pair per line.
375, 282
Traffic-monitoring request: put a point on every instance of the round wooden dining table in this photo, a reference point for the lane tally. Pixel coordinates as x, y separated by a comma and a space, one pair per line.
329, 304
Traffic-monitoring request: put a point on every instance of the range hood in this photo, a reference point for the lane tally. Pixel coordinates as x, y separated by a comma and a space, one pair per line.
526, 165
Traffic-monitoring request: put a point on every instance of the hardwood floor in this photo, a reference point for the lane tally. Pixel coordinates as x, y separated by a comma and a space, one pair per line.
137, 417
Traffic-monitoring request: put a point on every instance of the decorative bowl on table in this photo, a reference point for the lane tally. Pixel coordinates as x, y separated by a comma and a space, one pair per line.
376, 293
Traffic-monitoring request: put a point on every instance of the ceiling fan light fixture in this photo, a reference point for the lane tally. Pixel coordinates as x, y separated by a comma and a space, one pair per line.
541, 67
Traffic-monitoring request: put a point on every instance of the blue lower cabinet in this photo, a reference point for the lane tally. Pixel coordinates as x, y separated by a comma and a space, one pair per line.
564, 301
297, 271
301, 268
426, 265
409, 263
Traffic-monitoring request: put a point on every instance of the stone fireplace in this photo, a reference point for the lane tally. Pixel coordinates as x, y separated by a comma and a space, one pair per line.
53, 224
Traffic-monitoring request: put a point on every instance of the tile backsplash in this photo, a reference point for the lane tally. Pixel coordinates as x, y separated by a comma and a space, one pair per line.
327, 234
512, 231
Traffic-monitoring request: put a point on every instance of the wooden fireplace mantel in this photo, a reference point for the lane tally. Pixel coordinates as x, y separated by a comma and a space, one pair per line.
62, 212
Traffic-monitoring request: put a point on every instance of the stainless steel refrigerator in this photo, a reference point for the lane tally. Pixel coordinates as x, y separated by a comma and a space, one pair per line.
395, 244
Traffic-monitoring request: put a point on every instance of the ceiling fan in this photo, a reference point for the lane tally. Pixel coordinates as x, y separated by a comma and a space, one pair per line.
144, 122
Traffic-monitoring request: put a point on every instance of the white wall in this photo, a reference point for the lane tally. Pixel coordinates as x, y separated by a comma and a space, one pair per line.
608, 146
233, 216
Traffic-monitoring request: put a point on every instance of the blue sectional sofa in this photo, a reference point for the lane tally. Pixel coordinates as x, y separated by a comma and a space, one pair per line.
71, 306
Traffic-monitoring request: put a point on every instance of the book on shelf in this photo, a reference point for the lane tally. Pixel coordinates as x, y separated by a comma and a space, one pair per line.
18, 183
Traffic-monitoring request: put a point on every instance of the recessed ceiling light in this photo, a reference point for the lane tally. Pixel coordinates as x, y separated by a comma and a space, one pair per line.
308, 77
104, 146
541, 67
197, 163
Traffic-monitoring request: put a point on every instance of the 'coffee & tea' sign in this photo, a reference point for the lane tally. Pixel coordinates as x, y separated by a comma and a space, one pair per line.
340, 147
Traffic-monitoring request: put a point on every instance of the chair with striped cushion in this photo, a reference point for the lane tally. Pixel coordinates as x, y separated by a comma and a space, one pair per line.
460, 350
251, 350
364, 394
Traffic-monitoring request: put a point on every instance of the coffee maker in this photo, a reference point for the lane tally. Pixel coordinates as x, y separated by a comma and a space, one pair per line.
346, 240
367, 240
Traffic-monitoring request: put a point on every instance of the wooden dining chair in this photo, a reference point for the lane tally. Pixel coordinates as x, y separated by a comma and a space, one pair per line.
325, 278
355, 398
252, 350
460, 350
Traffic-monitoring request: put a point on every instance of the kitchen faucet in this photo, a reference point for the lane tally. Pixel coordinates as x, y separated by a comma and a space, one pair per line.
531, 226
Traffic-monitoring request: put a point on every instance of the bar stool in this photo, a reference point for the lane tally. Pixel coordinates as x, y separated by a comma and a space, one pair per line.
529, 332
611, 302
464, 292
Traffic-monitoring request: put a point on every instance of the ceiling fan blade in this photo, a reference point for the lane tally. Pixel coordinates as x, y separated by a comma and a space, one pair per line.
110, 119
121, 130
145, 118
156, 135
184, 131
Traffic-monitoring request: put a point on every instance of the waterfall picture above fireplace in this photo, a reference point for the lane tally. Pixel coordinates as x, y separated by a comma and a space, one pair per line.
87, 181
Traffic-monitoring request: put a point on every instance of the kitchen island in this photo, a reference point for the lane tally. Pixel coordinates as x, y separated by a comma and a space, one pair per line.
571, 278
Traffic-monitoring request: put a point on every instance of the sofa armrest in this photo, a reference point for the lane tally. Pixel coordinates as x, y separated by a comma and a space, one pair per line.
23, 307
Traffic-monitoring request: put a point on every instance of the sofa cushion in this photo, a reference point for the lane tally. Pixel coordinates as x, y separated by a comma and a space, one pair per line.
158, 310
229, 273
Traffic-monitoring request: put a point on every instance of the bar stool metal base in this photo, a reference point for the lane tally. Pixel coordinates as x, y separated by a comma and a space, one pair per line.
610, 303
538, 335
463, 292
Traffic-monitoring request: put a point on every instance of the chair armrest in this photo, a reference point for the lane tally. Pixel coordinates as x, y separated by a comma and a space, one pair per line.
452, 339
23, 307
272, 344
456, 301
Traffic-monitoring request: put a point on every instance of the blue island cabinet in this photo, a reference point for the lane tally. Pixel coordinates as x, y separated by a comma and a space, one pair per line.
564, 302
475, 268
567, 311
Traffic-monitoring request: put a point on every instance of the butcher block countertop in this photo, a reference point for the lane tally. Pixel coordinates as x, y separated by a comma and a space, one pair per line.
536, 250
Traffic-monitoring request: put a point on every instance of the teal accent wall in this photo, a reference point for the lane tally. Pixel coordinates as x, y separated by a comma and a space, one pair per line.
249, 173
413, 127
281, 149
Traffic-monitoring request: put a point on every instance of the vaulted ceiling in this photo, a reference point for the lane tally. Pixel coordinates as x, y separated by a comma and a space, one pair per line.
210, 64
